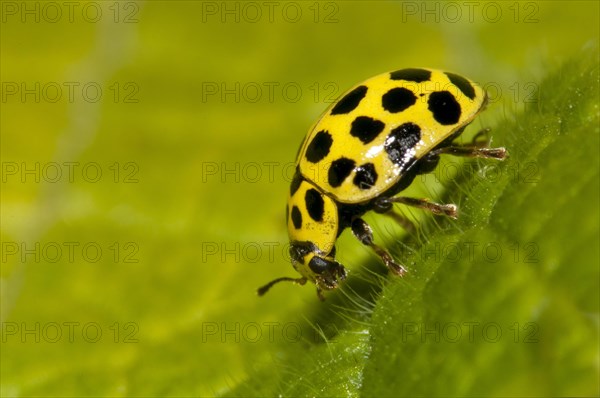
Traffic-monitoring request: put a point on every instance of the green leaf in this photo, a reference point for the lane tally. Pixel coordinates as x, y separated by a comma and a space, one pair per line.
503, 301
196, 225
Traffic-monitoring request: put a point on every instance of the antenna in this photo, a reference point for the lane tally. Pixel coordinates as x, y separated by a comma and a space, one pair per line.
262, 290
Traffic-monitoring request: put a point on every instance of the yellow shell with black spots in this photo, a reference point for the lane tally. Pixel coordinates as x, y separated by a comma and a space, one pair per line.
312, 216
364, 143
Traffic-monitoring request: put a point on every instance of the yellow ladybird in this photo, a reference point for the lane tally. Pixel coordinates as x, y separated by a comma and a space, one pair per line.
364, 150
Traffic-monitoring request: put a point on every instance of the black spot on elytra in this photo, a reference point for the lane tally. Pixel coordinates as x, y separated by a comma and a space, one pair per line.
296, 217
340, 170
444, 107
366, 129
401, 140
350, 101
398, 99
296, 181
463, 84
366, 176
411, 75
314, 204
319, 147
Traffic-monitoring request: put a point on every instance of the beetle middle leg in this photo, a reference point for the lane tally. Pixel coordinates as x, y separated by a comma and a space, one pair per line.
476, 149
450, 210
383, 206
482, 138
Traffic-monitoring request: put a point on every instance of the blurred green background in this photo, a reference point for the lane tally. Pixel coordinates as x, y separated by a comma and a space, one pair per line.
146, 151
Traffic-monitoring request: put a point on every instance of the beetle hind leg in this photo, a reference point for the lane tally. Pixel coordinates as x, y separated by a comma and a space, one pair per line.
364, 234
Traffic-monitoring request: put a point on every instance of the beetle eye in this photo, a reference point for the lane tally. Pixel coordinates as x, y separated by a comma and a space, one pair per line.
318, 264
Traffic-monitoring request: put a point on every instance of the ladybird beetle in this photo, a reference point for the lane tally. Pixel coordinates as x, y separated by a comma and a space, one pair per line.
365, 149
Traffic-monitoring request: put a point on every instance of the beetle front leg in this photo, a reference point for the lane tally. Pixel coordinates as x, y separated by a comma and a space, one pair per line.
364, 234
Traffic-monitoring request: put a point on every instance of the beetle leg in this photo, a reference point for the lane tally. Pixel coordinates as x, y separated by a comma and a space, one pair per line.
364, 234
320, 294
383, 206
482, 138
450, 210
473, 151
403, 221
